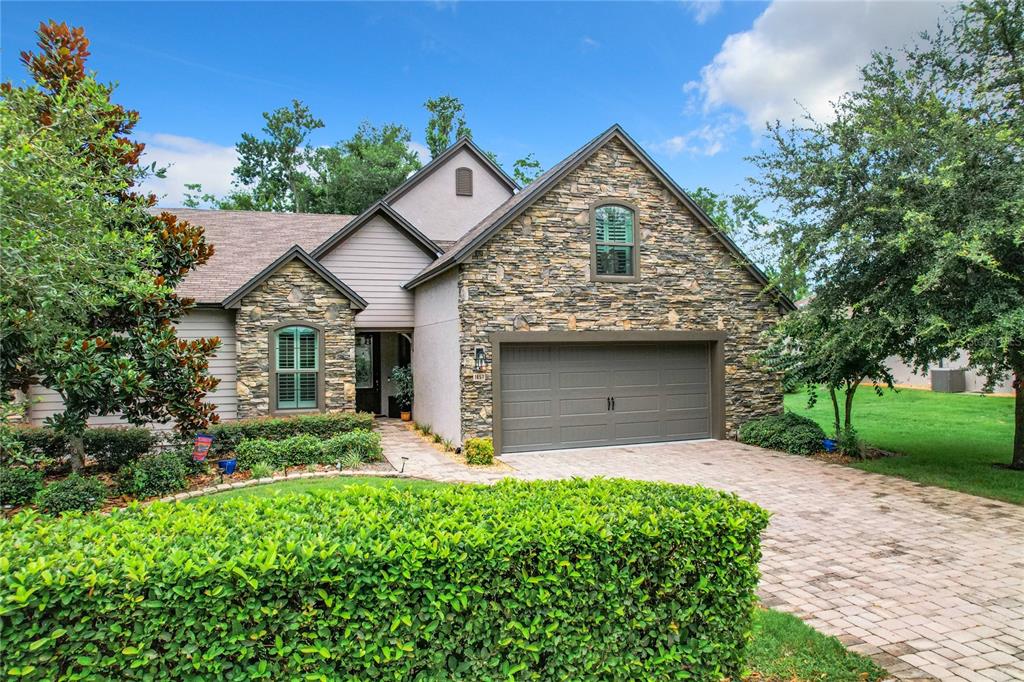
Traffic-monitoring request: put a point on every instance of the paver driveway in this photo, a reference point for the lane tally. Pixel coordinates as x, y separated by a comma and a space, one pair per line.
929, 582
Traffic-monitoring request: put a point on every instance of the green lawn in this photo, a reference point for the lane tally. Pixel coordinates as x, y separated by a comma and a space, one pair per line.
948, 439
783, 648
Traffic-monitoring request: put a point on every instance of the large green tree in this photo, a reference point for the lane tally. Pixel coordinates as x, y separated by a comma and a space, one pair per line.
349, 176
739, 217
269, 174
87, 302
447, 123
909, 205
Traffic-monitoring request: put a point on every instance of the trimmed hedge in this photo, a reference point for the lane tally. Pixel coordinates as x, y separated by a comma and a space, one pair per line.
789, 432
228, 435
479, 451
111, 447
300, 450
600, 579
116, 447
363, 444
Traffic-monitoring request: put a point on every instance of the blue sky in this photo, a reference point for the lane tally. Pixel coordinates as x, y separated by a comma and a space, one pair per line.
692, 82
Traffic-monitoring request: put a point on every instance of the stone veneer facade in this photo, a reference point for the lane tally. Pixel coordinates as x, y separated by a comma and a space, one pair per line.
534, 275
294, 294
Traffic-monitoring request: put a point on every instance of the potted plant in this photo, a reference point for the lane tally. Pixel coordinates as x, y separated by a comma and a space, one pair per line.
401, 377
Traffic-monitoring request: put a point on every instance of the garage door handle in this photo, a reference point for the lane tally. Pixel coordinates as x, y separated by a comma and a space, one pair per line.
613, 404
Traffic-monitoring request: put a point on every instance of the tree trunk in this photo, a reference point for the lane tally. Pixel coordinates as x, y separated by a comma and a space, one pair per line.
1018, 421
77, 452
835, 411
851, 389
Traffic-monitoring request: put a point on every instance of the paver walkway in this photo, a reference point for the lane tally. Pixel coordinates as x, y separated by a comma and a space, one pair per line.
409, 453
928, 582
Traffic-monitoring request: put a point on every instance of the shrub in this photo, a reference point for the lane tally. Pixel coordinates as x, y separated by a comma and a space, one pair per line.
788, 432
40, 444
19, 485
600, 579
351, 460
258, 451
849, 443
116, 447
262, 470
111, 447
160, 474
365, 444
479, 451
299, 450
228, 435
74, 493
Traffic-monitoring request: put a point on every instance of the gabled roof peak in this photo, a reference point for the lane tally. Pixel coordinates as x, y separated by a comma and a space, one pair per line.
394, 217
464, 142
296, 252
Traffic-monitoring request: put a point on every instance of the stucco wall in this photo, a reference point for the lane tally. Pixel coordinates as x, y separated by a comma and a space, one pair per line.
376, 261
435, 356
294, 294
437, 212
199, 322
535, 275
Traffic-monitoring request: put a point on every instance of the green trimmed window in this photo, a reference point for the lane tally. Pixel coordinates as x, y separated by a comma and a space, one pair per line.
297, 357
614, 241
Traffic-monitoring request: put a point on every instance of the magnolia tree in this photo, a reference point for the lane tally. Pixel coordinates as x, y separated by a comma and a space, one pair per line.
88, 273
909, 204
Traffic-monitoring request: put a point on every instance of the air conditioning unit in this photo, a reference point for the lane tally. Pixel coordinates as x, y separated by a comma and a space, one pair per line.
947, 380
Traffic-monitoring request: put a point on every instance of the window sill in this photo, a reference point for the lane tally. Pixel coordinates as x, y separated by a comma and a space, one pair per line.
615, 278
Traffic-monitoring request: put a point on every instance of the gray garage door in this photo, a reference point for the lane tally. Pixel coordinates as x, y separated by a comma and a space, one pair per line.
568, 395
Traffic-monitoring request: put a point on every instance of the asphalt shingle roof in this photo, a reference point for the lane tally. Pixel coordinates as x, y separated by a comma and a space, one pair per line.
245, 242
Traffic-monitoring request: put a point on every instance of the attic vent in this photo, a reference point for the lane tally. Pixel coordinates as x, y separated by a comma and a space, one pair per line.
463, 182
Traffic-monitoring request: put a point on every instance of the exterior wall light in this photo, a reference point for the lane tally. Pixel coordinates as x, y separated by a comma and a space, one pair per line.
480, 360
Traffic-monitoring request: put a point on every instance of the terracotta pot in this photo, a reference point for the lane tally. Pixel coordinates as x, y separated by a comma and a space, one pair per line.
406, 416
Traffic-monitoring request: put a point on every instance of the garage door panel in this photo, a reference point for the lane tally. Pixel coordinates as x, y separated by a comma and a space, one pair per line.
692, 427
569, 407
638, 431
637, 403
674, 376
594, 378
635, 377
527, 439
676, 401
556, 395
526, 381
526, 408
581, 435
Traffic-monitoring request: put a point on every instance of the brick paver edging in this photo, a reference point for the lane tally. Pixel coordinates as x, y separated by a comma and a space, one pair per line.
250, 482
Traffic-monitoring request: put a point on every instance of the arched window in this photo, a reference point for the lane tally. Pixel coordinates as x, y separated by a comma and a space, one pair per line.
464, 182
296, 362
614, 250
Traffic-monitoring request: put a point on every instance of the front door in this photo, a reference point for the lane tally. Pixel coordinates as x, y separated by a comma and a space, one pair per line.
368, 372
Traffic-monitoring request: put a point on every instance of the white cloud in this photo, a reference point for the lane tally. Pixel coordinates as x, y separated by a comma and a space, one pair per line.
421, 150
707, 140
702, 10
187, 160
588, 44
805, 55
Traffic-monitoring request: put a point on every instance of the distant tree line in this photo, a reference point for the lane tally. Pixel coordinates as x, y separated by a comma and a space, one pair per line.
279, 170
